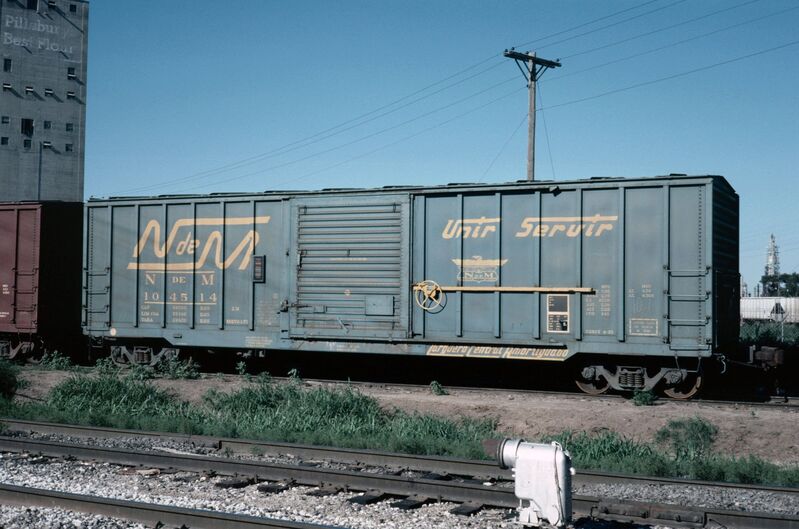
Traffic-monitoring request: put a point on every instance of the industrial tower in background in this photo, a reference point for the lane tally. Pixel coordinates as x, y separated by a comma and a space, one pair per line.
43, 99
773, 258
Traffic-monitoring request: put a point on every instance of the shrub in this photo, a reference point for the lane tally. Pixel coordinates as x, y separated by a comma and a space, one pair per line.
106, 366
611, 451
644, 398
140, 372
338, 417
241, 367
55, 360
688, 438
9, 379
115, 402
178, 369
437, 389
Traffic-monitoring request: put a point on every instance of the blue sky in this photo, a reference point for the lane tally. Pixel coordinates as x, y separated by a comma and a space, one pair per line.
194, 97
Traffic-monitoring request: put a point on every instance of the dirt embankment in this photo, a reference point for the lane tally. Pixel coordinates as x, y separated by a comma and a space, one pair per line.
770, 433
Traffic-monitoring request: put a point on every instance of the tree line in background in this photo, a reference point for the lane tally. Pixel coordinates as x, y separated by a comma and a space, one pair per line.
780, 285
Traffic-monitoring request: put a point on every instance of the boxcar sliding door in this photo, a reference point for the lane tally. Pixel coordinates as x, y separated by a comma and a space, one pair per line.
350, 270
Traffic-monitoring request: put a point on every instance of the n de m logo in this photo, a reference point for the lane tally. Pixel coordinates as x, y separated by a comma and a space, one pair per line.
208, 248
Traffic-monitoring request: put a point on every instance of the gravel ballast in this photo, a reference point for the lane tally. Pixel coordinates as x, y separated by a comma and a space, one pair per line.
28, 518
686, 495
197, 491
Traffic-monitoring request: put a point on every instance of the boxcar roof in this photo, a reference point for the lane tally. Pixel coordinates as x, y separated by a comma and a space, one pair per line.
447, 188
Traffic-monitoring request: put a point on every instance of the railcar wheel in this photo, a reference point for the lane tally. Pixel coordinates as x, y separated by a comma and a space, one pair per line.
591, 384
685, 389
118, 356
34, 359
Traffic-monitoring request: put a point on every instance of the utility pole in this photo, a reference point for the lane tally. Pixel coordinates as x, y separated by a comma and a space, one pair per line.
532, 68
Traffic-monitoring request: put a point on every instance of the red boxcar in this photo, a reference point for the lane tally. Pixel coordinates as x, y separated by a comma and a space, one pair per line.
40, 277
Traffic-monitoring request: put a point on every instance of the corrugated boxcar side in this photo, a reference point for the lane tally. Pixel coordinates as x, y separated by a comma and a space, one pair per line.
176, 268
508, 260
40, 261
611, 266
19, 267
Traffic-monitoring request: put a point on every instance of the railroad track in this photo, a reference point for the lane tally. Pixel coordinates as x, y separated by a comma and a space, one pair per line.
148, 513
473, 484
773, 402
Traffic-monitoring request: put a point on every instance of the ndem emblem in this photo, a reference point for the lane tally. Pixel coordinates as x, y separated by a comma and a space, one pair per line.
207, 251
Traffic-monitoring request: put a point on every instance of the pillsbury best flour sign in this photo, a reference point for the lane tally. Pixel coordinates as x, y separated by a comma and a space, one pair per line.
33, 33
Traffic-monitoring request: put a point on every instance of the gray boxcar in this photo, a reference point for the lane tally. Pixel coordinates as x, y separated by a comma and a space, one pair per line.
630, 282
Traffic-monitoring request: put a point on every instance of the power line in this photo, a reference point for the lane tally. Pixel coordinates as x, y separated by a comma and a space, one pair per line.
673, 44
673, 76
502, 149
546, 133
664, 28
561, 32
363, 138
606, 26
281, 150
603, 94
567, 103
313, 139
386, 146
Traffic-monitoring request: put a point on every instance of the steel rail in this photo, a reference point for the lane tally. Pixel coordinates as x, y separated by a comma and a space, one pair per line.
149, 513
302, 475
485, 469
466, 492
777, 402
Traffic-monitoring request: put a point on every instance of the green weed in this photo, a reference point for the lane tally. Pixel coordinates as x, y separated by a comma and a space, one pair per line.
106, 366
55, 360
344, 417
437, 389
9, 379
241, 367
682, 449
610, 451
644, 398
263, 410
338, 417
688, 439
140, 372
178, 369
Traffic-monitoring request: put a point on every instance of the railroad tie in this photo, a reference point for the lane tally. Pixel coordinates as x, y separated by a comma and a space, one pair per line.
467, 509
234, 483
411, 502
325, 490
368, 497
275, 488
